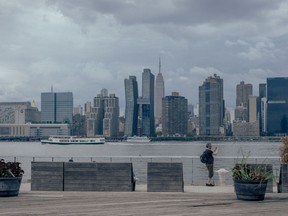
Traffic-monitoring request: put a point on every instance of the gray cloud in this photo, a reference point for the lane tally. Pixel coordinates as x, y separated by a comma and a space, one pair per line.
83, 46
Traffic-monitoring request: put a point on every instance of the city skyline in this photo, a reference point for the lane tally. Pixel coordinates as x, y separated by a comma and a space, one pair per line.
84, 46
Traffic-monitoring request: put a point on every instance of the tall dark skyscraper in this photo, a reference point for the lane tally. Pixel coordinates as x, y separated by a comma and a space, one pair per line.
243, 91
159, 94
146, 123
211, 106
277, 106
131, 108
174, 115
57, 107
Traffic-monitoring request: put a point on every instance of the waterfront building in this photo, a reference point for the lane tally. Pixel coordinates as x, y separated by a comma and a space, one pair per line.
252, 109
245, 129
104, 92
211, 106
78, 128
277, 106
111, 116
250, 128
19, 113
87, 107
262, 108
263, 116
104, 116
131, 106
78, 110
191, 110
146, 120
33, 131
243, 91
95, 117
159, 94
174, 115
56, 107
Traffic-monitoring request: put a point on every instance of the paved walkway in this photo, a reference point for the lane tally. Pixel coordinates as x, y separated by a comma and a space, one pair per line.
219, 200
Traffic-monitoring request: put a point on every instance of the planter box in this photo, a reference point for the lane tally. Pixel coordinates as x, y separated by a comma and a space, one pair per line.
9, 186
250, 190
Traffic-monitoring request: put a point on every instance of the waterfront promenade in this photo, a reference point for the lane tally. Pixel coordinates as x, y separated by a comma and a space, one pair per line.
196, 200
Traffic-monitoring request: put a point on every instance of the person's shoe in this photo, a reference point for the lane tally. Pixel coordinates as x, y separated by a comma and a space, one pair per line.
210, 185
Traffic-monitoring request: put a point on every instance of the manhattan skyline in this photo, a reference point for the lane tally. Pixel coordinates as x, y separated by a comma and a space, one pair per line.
84, 46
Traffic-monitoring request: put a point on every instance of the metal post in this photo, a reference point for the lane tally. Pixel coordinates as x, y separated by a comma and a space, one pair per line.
192, 172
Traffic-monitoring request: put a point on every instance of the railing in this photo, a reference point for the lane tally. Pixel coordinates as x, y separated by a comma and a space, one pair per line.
195, 173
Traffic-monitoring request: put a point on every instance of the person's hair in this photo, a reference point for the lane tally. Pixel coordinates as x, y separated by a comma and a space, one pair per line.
208, 145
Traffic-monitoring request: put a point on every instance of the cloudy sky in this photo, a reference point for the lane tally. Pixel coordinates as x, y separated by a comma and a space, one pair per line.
83, 46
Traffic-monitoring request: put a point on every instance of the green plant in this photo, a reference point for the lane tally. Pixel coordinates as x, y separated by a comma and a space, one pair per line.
284, 150
10, 169
244, 171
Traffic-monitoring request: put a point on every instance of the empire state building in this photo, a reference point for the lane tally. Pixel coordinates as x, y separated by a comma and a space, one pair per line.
159, 94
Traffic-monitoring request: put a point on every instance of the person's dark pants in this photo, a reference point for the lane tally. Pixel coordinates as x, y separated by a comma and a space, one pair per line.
210, 170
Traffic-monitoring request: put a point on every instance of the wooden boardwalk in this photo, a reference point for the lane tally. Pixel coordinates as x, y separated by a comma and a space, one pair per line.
140, 203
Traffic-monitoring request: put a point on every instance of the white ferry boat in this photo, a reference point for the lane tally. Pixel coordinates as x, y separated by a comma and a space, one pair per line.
68, 140
138, 139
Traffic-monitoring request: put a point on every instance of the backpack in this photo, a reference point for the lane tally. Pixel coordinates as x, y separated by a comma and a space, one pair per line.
204, 157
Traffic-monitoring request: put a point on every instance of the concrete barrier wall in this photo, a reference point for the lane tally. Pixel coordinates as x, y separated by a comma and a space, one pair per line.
283, 179
74, 176
165, 177
47, 176
98, 177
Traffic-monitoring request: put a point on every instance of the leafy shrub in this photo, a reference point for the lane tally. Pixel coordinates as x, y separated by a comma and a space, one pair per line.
10, 169
245, 171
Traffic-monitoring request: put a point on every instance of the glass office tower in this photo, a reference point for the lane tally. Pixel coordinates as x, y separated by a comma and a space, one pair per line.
146, 123
277, 106
56, 107
131, 108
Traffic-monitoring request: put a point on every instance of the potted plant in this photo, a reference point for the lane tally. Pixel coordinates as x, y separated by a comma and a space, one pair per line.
250, 180
10, 178
283, 178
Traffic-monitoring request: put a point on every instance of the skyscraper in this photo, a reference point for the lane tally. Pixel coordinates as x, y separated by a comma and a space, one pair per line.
277, 106
262, 108
111, 116
104, 116
211, 106
243, 91
146, 123
57, 107
131, 107
159, 93
95, 117
174, 115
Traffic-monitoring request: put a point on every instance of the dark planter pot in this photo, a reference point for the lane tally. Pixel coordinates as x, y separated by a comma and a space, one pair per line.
250, 190
9, 186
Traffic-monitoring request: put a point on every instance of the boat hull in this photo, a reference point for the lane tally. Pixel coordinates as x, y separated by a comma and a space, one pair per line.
70, 140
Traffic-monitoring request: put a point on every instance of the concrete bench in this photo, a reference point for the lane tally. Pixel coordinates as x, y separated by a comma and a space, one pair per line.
75, 176
47, 176
98, 177
165, 177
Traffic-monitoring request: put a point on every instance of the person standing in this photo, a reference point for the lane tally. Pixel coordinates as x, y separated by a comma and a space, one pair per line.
210, 162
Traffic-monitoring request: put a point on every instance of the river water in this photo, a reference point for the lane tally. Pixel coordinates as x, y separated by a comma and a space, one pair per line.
140, 154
